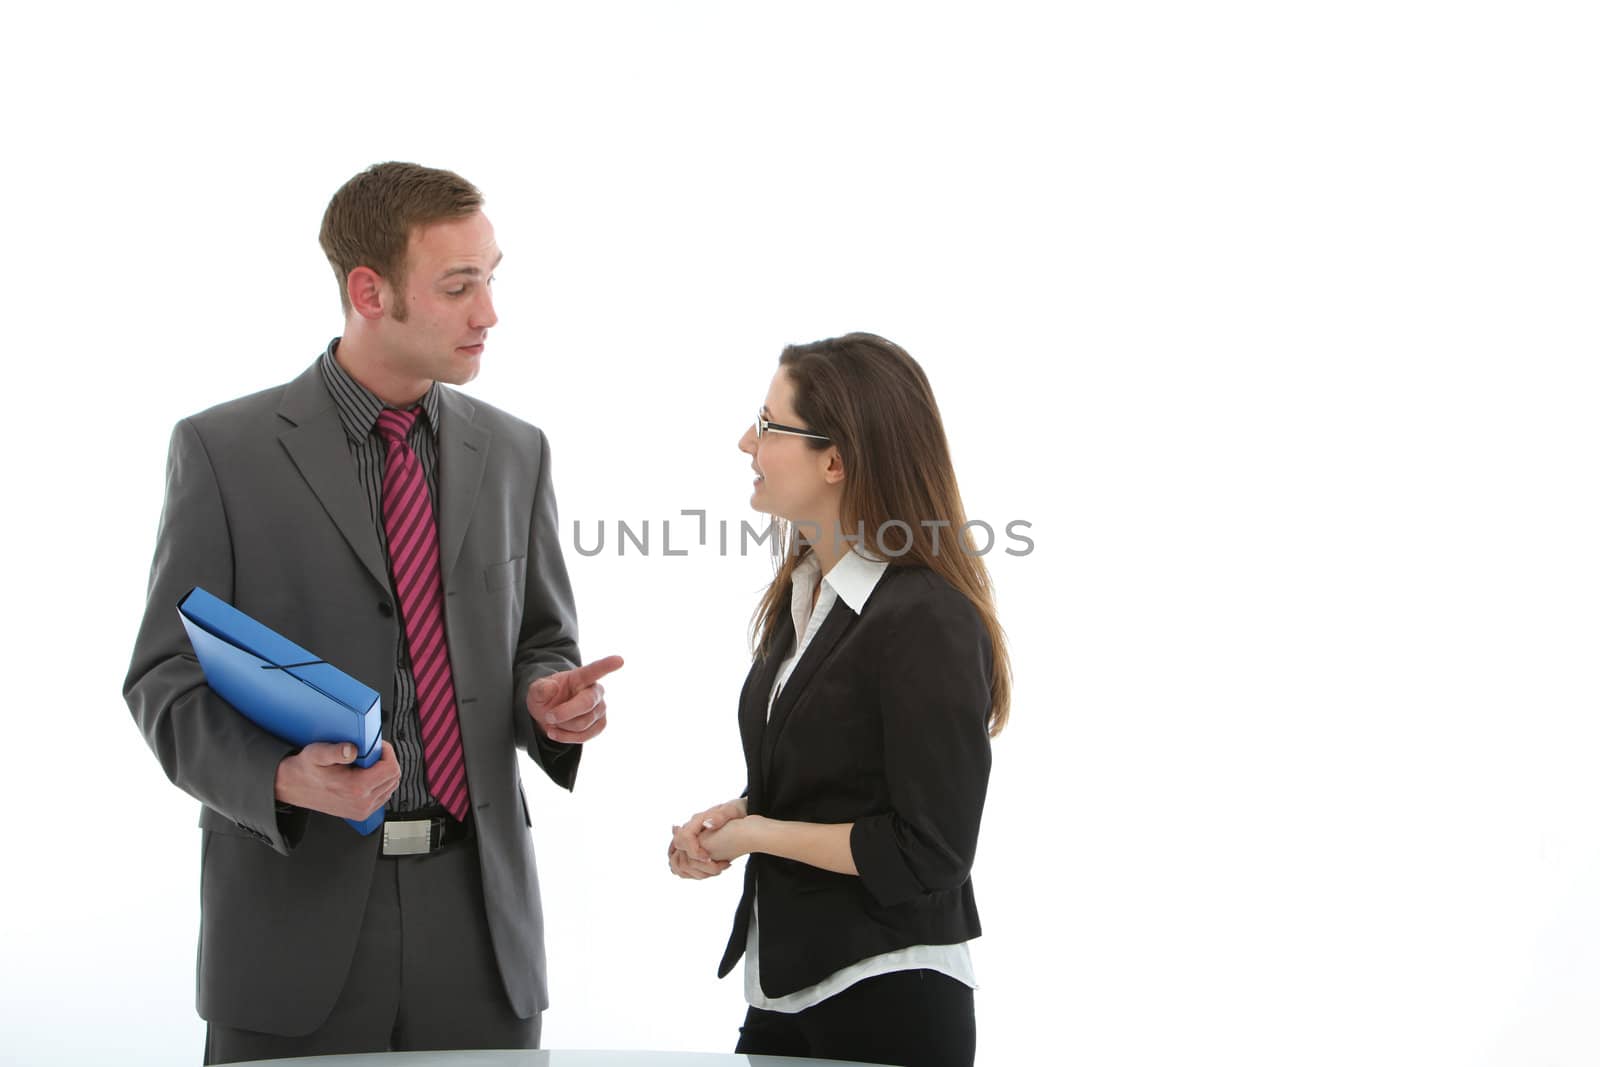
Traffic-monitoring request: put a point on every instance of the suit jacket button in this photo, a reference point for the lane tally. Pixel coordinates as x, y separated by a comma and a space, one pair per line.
385, 610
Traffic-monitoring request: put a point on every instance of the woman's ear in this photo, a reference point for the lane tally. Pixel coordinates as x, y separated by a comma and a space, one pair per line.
833, 473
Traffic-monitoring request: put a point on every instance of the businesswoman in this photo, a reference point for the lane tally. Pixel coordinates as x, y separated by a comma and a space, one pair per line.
880, 675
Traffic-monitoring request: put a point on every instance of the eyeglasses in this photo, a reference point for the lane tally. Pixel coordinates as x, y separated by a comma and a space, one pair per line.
765, 426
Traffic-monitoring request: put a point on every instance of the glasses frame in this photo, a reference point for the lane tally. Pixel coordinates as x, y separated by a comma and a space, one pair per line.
765, 426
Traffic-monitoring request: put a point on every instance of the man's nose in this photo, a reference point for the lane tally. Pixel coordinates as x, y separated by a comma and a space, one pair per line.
483, 314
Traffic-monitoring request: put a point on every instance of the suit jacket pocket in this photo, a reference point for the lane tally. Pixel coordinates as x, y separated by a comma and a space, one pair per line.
217, 823
507, 575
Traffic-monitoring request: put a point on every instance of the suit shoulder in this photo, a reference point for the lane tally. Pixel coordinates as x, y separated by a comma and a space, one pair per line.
265, 401
232, 421
910, 591
923, 615
498, 420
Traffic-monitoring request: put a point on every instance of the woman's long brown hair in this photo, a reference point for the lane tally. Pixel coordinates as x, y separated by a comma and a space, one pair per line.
874, 403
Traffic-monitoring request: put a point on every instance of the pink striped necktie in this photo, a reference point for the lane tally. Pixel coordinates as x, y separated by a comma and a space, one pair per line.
414, 562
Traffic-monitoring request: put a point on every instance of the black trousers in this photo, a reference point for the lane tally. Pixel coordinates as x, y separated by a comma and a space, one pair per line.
424, 974
908, 1018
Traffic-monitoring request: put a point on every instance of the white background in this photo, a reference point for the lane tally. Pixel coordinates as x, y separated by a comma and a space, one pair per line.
1276, 320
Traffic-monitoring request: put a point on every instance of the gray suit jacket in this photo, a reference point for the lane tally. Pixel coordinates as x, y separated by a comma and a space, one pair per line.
263, 509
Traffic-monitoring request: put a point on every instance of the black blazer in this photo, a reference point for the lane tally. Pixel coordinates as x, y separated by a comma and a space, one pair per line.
882, 723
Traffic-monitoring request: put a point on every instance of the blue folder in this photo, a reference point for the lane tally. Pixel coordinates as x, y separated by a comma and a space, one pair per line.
280, 686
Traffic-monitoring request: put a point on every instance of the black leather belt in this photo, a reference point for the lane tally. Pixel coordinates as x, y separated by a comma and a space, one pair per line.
417, 833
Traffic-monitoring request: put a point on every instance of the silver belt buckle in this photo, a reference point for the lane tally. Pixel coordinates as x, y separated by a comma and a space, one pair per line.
409, 837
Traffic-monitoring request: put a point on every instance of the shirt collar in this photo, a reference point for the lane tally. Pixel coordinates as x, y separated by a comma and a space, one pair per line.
359, 406
854, 578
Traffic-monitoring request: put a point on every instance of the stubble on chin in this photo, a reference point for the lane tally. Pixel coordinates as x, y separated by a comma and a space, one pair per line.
462, 369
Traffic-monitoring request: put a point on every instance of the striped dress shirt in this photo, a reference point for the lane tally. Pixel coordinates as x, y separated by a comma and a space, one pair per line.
358, 411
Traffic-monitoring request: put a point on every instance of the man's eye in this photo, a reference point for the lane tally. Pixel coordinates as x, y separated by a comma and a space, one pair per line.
456, 292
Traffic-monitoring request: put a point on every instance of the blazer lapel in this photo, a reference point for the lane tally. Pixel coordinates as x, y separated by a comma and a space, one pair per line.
463, 454
316, 442
753, 709
839, 620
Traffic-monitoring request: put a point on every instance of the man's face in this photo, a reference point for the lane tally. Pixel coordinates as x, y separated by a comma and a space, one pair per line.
441, 316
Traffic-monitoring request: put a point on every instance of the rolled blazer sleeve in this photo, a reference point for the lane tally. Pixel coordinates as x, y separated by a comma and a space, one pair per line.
547, 641
205, 747
934, 696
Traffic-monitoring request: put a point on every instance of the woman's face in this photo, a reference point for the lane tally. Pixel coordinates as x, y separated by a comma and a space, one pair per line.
793, 480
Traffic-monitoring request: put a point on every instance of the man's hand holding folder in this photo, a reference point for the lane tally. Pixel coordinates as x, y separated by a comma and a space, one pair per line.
319, 777
299, 698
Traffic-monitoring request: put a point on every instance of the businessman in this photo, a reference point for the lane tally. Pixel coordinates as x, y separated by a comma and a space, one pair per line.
407, 535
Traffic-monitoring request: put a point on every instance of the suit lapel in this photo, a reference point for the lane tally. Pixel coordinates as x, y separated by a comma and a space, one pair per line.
753, 709
463, 454
317, 444
839, 620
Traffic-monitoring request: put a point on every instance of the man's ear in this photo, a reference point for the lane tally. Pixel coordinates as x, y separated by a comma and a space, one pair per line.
368, 292
834, 471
